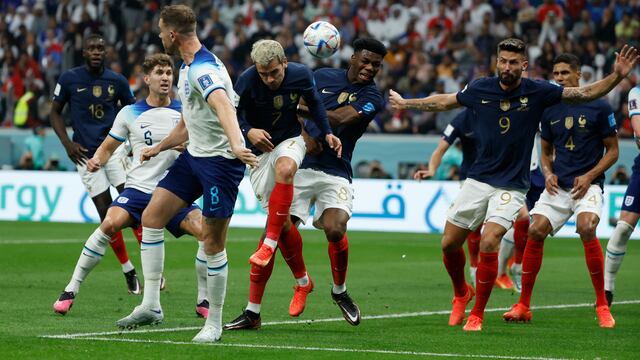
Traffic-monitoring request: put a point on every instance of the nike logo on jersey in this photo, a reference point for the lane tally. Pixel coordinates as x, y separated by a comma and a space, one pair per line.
144, 126
324, 91
81, 89
555, 122
485, 101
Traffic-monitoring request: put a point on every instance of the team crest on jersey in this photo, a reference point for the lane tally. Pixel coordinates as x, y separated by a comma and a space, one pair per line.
111, 91
293, 97
628, 200
568, 122
278, 101
505, 105
633, 104
352, 98
582, 121
97, 91
187, 88
343, 97
524, 101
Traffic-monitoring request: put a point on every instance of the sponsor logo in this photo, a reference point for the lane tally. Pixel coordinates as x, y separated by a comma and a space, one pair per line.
324, 91
81, 89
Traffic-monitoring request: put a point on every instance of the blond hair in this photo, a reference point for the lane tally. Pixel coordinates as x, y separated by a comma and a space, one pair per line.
264, 51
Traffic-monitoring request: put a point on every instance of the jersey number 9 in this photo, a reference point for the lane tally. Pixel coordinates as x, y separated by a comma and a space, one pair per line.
505, 124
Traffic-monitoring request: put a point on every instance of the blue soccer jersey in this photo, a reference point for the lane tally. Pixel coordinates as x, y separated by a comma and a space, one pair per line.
505, 127
461, 127
276, 110
336, 91
576, 132
93, 101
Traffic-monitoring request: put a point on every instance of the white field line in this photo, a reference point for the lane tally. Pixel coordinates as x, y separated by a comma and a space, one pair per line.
326, 349
82, 240
310, 321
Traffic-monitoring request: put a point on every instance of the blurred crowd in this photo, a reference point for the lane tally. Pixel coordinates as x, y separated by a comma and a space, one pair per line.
434, 46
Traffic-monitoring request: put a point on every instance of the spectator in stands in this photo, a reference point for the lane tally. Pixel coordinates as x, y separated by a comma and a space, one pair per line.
620, 176
377, 171
33, 156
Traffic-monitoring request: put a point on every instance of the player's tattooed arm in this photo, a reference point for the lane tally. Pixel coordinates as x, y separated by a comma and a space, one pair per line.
433, 103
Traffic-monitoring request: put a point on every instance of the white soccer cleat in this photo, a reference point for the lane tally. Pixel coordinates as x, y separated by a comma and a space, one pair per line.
208, 334
516, 276
140, 316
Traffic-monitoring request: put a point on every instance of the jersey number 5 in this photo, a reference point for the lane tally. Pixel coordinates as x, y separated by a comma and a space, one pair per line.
147, 138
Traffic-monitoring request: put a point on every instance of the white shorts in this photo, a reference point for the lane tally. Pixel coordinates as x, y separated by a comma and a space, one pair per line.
111, 173
313, 187
479, 202
263, 177
559, 208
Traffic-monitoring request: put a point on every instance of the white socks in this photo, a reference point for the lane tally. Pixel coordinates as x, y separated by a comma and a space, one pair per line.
253, 307
616, 248
303, 281
270, 243
201, 272
217, 270
152, 254
339, 289
506, 250
90, 256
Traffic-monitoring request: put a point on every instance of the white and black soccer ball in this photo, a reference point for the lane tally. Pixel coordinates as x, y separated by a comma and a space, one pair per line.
321, 39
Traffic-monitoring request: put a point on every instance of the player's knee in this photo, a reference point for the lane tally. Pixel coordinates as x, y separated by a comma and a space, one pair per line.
586, 231
109, 227
537, 233
285, 171
335, 232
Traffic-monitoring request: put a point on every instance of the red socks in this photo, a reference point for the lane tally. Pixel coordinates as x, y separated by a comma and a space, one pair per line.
595, 264
532, 261
339, 256
454, 263
279, 204
486, 277
119, 248
258, 278
290, 244
520, 231
473, 243
137, 232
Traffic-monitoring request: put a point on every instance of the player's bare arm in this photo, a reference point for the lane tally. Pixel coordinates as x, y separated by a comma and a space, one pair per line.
227, 115
75, 151
626, 59
332, 140
176, 138
434, 161
582, 183
103, 153
433, 103
546, 161
345, 115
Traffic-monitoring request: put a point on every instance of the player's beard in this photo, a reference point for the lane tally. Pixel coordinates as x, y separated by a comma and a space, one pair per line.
171, 49
508, 79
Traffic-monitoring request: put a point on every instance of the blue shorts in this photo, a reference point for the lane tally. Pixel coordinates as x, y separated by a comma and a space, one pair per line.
536, 189
135, 201
214, 178
630, 202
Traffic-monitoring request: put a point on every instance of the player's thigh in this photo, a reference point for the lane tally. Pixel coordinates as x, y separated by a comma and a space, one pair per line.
187, 221
133, 201
288, 157
469, 208
219, 178
163, 206
332, 192
588, 210
540, 227
116, 219
95, 182
262, 178
303, 194
557, 209
214, 233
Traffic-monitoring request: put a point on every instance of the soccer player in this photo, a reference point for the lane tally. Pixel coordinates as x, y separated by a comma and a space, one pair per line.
617, 245
93, 93
509, 109
211, 166
324, 180
144, 123
573, 140
275, 86
461, 127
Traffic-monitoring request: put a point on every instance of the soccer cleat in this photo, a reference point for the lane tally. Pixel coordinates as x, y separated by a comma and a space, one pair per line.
163, 283
202, 309
474, 323
350, 310
518, 313
503, 282
516, 275
262, 256
604, 317
609, 295
140, 316
299, 300
208, 334
459, 306
246, 320
133, 285
64, 303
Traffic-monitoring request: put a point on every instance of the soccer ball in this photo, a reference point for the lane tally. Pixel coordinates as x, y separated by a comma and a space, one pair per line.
321, 39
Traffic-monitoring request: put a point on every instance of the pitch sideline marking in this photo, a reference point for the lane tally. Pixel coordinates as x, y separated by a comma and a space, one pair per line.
311, 321
83, 240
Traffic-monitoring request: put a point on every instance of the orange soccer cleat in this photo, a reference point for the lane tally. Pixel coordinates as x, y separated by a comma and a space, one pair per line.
518, 313
604, 317
299, 299
504, 282
459, 306
474, 323
262, 256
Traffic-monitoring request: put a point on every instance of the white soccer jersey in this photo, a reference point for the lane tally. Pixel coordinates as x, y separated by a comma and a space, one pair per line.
634, 101
144, 125
196, 82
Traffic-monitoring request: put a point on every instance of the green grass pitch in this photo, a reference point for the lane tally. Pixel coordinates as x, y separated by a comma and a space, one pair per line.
397, 279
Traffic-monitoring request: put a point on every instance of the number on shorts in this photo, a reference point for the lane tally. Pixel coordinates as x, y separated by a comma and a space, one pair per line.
215, 199
505, 197
343, 194
592, 199
505, 124
292, 144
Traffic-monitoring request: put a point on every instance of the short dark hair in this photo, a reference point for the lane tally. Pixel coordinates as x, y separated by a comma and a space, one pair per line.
152, 61
91, 37
513, 45
370, 44
568, 58
180, 17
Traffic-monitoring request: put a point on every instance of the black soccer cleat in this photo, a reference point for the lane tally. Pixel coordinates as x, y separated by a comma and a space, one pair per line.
609, 295
349, 309
247, 320
133, 285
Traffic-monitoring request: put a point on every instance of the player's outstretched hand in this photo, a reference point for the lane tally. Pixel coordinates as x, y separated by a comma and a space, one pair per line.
245, 155
76, 153
148, 153
422, 174
626, 59
261, 139
551, 184
580, 186
397, 101
334, 143
93, 164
